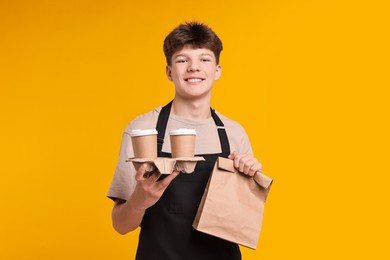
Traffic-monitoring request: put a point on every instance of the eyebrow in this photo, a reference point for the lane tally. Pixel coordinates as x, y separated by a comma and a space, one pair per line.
178, 55
182, 54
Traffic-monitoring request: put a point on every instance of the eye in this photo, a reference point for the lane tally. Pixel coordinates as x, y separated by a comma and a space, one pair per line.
181, 61
205, 60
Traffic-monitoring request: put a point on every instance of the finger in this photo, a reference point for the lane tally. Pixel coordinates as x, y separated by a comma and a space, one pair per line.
166, 181
249, 166
253, 166
257, 167
243, 161
139, 176
254, 169
237, 160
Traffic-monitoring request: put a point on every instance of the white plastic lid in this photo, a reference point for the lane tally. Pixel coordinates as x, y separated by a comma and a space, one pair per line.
183, 131
139, 132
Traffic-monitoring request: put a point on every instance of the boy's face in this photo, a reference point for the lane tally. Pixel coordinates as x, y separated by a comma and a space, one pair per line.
193, 72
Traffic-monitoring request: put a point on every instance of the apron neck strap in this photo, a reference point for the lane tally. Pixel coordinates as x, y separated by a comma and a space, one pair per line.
162, 125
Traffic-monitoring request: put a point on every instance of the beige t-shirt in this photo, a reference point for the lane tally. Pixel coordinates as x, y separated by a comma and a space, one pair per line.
207, 142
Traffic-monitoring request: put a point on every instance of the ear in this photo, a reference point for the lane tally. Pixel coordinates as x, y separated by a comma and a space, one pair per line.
168, 71
218, 72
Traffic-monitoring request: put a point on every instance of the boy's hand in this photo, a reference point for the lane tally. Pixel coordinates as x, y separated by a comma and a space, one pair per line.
246, 163
148, 190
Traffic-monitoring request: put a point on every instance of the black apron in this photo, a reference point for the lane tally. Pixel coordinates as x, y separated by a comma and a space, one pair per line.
166, 228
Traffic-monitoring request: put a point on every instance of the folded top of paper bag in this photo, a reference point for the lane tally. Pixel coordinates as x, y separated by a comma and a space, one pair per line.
261, 179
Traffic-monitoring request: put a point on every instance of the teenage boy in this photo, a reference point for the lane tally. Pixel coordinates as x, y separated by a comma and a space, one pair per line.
165, 208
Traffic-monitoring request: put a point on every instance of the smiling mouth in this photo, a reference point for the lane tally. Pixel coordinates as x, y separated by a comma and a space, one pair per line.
194, 80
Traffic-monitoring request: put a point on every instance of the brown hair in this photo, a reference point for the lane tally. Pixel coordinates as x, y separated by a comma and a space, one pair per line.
194, 34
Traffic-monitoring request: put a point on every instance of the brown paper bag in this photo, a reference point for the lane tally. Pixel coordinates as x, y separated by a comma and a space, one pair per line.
232, 205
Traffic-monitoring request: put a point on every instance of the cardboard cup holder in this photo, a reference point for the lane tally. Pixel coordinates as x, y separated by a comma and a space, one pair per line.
167, 165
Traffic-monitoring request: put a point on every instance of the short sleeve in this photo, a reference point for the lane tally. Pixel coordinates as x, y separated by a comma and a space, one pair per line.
245, 144
238, 138
123, 182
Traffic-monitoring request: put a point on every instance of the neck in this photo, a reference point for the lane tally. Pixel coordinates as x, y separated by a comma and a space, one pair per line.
191, 109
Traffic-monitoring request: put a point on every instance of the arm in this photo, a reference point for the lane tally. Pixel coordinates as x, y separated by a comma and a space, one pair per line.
127, 215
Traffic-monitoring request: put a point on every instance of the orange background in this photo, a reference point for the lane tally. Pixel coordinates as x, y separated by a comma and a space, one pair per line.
307, 79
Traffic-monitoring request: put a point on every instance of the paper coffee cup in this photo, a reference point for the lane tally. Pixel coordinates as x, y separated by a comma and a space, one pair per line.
182, 142
144, 143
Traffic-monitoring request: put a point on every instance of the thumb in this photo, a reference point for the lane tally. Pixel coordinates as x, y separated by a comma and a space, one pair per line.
139, 176
232, 155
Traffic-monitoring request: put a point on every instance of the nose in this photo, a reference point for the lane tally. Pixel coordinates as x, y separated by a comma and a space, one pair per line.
193, 66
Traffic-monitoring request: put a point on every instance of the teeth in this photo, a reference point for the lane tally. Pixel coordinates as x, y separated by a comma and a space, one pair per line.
194, 80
